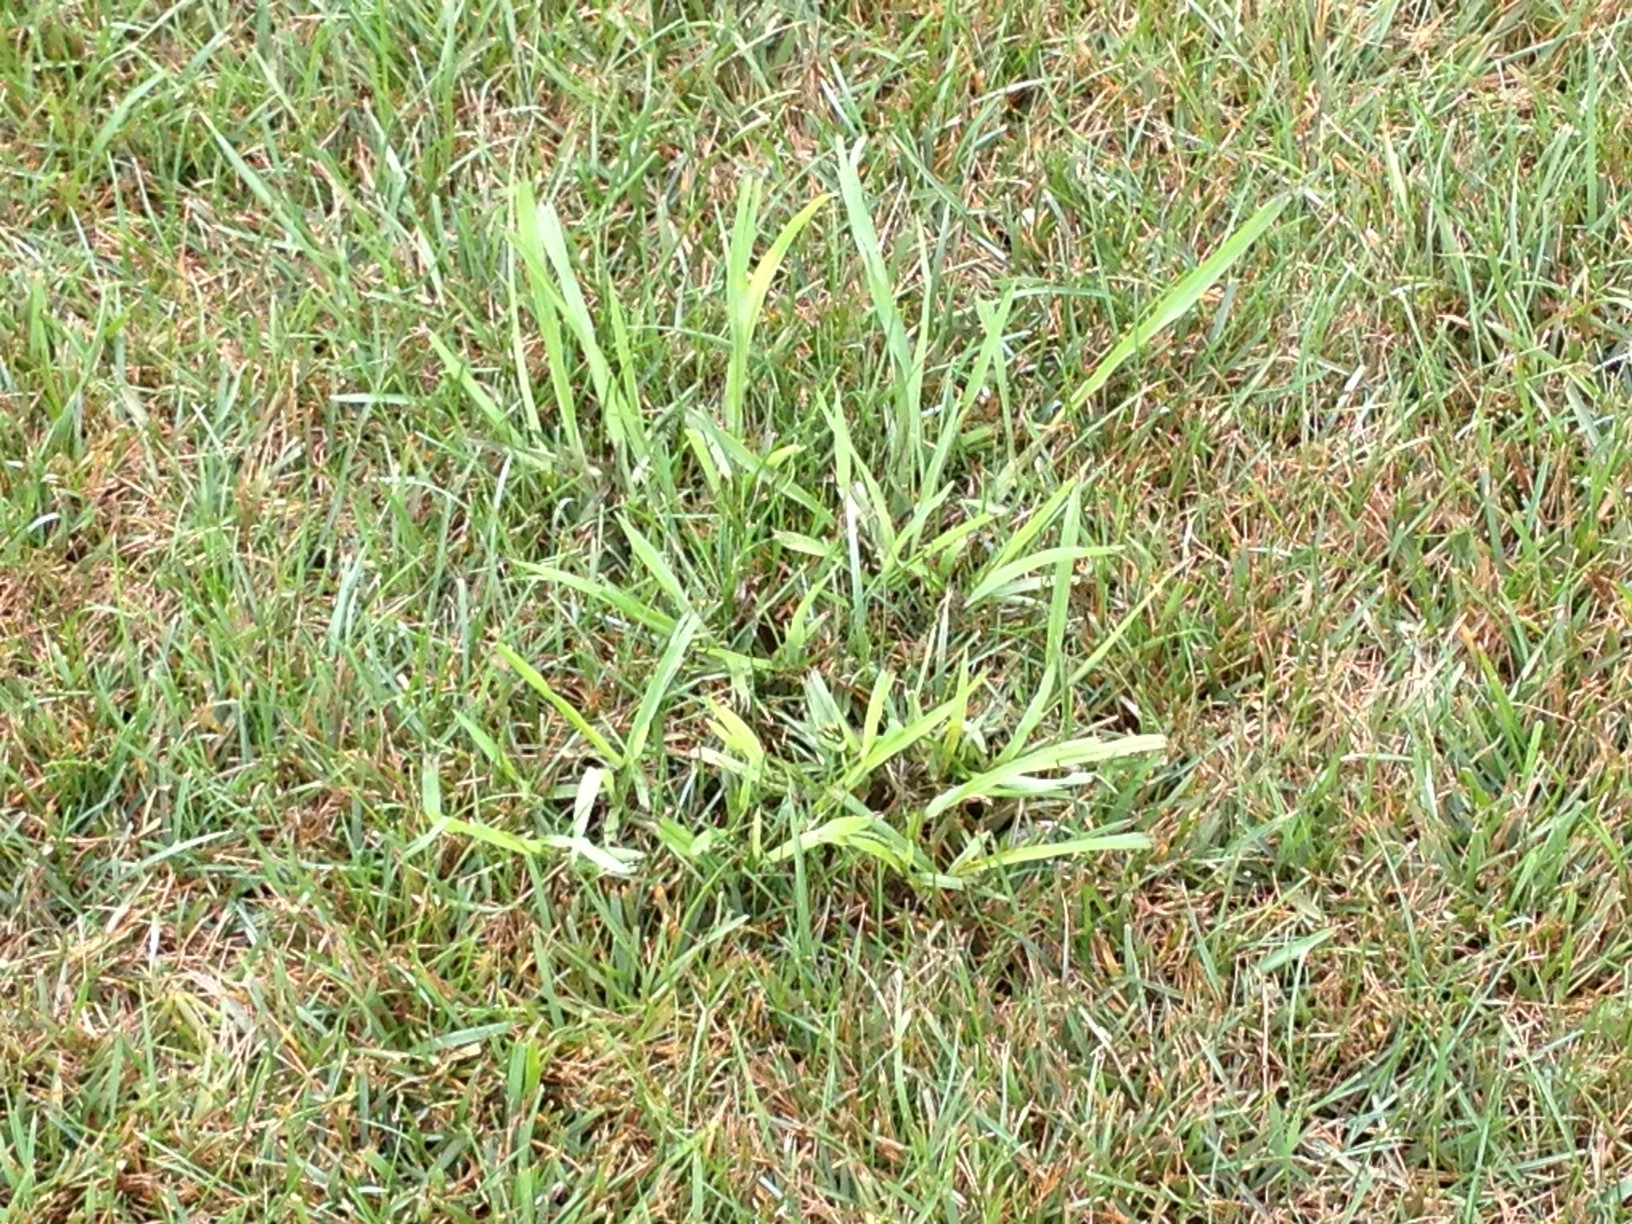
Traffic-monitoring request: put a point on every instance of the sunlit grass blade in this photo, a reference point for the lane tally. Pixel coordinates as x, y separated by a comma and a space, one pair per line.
826, 720
771, 261
430, 803
848, 461
894, 742
993, 319
865, 834
1035, 709
1035, 773
746, 292
1178, 300
876, 704
764, 468
611, 860
274, 202
736, 735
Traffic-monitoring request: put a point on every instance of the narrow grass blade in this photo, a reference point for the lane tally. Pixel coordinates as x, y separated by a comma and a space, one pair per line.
292, 225
736, 735
583, 799
1294, 950
656, 565
546, 313
1059, 602
1033, 716
906, 427
826, 719
747, 291
479, 395
612, 860
577, 721
1035, 522
430, 788
1024, 775
1075, 847
1179, 299
865, 236
657, 688
623, 425
116, 119
604, 592
1117, 634
741, 459
430, 802
995, 582
489, 748
518, 355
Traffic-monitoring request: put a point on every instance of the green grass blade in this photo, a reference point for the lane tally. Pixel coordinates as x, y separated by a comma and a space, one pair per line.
1075, 847
1035, 522
656, 565
657, 688
576, 720
604, 592
906, 427
893, 743
518, 356
1021, 776
491, 836
1178, 300
489, 748
996, 582
623, 425
546, 313
771, 262
479, 395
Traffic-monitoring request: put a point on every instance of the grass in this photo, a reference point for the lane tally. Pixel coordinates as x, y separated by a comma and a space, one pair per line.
939, 613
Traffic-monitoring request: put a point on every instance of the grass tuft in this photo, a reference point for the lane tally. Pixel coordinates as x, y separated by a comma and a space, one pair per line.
984, 613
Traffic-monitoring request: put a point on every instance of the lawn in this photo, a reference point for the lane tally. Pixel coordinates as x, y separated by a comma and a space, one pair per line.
867, 612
